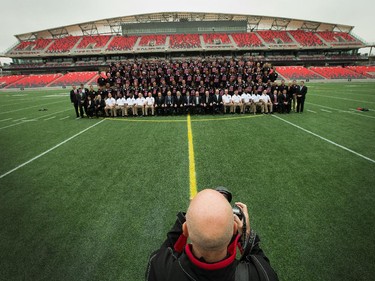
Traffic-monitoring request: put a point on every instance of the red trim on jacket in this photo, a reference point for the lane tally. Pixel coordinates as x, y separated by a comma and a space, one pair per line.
217, 265
180, 243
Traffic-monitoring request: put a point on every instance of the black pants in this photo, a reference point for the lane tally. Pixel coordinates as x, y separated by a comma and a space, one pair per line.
76, 109
300, 104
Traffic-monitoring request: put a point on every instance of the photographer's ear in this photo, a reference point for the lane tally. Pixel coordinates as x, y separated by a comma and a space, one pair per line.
235, 227
185, 230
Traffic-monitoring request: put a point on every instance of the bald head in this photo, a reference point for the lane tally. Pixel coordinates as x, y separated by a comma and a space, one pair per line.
210, 221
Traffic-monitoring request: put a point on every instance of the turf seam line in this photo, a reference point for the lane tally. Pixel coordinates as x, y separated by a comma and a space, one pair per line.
327, 140
49, 150
340, 110
192, 174
39, 105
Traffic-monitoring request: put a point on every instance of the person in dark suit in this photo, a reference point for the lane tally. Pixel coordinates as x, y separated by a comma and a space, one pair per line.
196, 103
168, 103
275, 101
73, 99
84, 94
301, 95
206, 103
159, 104
90, 107
187, 102
99, 106
284, 102
217, 102
178, 103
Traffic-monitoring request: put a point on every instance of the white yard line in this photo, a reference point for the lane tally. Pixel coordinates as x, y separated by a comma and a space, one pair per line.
23, 121
312, 111
64, 118
340, 110
50, 118
343, 98
6, 119
49, 150
39, 105
19, 119
327, 140
325, 110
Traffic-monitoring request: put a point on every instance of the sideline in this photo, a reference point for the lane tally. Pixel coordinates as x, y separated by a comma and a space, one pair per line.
327, 140
49, 150
192, 174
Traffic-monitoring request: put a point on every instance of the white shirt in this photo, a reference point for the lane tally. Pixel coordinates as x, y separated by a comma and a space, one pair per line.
130, 101
227, 98
264, 98
120, 102
110, 101
150, 100
246, 97
140, 101
236, 99
255, 98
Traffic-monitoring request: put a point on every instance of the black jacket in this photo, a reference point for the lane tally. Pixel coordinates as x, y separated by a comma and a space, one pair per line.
174, 261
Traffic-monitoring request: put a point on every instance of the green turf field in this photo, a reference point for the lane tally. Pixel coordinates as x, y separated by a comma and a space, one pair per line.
90, 199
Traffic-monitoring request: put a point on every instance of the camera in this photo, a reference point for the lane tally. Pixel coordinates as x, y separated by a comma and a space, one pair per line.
228, 195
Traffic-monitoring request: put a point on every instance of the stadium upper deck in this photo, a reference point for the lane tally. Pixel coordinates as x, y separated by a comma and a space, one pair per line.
183, 31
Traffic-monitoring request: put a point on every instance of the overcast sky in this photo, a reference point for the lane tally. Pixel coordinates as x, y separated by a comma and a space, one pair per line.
23, 16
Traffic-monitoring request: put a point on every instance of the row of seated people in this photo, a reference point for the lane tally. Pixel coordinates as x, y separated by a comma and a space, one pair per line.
35, 81
337, 72
266, 101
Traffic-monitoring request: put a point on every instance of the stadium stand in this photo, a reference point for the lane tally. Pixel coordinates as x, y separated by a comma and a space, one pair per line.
153, 40
274, 37
338, 38
122, 43
368, 71
8, 80
63, 45
74, 78
246, 40
39, 44
185, 41
93, 42
296, 73
33, 81
216, 38
306, 38
337, 72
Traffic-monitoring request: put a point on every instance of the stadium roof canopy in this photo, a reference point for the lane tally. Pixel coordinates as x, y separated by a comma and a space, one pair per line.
114, 25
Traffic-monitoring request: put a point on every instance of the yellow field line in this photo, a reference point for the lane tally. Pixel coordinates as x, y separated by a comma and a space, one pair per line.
192, 175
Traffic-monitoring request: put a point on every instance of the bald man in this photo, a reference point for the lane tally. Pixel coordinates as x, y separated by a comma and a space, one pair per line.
214, 233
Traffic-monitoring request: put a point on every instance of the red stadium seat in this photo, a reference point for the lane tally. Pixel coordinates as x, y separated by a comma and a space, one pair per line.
274, 37
33, 81
185, 41
297, 73
246, 40
153, 40
337, 72
75, 78
306, 38
63, 45
122, 43
93, 42
8, 80
216, 38
368, 71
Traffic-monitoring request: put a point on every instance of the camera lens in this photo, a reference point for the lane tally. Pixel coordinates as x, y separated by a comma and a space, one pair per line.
237, 211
